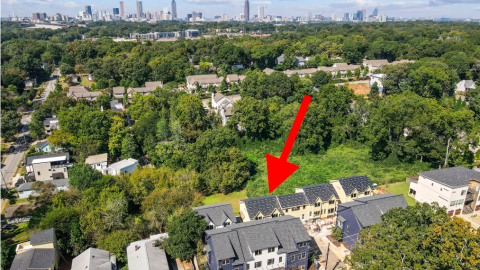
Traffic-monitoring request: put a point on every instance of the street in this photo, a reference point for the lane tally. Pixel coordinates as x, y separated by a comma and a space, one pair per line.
9, 167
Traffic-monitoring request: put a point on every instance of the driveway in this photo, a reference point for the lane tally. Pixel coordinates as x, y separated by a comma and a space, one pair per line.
354, 82
473, 218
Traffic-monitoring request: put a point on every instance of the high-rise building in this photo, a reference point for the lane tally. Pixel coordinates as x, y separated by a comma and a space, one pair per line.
260, 12
375, 11
174, 10
88, 10
334, 16
246, 11
139, 9
35, 16
364, 14
116, 12
196, 15
359, 15
346, 16
122, 10
165, 10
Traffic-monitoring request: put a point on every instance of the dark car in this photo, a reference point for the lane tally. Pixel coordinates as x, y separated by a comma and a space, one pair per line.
8, 227
11, 149
19, 182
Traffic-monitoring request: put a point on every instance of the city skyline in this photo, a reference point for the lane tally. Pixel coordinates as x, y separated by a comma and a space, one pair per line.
211, 8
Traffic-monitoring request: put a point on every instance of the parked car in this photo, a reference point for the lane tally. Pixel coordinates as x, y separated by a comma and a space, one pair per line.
11, 149
8, 227
19, 182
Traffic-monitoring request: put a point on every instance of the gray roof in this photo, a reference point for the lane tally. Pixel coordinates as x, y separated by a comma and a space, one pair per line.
265, 205
291, 200
322, 191
28, 160
280, 59
144, 255
239, 240
369, 210
37, 258
469, 84
46, 121
56, 182
360, 183
43, 237
216, 213
40, 145
452, 177
92, 259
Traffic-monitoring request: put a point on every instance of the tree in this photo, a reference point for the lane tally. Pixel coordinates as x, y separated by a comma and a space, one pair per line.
473, 99
234, 86
223, 86
117, 133
365, 71
66, 69
15, 80
82, 176
43, 193
184, 232
349, 73
198, 88
129, 147
117, 243
11, 123
356, 73
321, 78
339, 75
8, 253
374, 91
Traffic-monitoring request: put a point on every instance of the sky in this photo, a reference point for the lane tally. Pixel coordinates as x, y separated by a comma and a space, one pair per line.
210, 8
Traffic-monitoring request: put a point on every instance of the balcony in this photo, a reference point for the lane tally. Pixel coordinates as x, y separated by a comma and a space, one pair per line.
23, 246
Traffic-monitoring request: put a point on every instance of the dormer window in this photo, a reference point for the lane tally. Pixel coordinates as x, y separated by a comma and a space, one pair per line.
331, 202
271, 249
354, 195
302, 244
274, 215
209, 227
367, 193
226, 224
317, 204
226, 261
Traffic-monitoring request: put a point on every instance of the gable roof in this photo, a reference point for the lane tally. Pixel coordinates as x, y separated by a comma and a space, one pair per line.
92, 259
26, 210
323, 191
118, 90
327, 69
29, 160
37, 258
265, 205
216, 213
143, 254
268, 71
47, 121
377, 63
360, 183
238, 241
97, 158
452, 177
369, 210
218, 96
40, 145
154, 84
204, 79
56, 182
294, 199
42, 237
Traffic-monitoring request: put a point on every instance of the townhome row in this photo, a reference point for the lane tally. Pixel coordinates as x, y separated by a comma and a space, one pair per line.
79, 92
309, 202
211, 79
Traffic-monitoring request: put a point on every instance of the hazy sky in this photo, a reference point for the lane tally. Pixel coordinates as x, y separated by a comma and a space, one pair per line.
210, 8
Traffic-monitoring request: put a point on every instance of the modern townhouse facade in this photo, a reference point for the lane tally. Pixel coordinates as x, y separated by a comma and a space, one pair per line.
217, 215
354, 187
47, 167
278, 243
50, 124
457, 189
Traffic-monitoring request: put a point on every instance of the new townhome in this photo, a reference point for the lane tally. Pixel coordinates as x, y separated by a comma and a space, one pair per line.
279, 243
147, 254
457, 189
217, 215
47, 167
94, 259
203, 80
41, 252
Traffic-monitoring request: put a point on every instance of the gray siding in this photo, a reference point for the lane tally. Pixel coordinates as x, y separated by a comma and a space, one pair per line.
351, 226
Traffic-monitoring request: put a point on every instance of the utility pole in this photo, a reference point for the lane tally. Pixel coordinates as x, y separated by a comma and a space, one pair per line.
6, 186
328, 252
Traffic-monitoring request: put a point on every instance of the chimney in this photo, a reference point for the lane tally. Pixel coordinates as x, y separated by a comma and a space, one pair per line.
136, 247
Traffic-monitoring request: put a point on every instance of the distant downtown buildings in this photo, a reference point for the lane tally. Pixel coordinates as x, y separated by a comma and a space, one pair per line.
246, 11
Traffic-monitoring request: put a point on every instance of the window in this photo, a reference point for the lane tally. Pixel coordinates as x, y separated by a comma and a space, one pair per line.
303, 216
38, 173
270, 261
354, 195
432, 184
317, 204
316, 213
275, 215
463, 192
257, 218
226, 261
286, 210
302, 244
248, 266
367, 193
302, 255
304, 207
331, 210
331, 202
226, 224
210, 227
271, 249
292, 258
310, 214
49, 170
237, 268
339, 224
301, 267
280, 259
348, 228
258, 264
324, 211
21, 192
258, 252
296, 208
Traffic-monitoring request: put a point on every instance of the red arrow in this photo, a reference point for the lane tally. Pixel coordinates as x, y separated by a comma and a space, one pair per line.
278, 168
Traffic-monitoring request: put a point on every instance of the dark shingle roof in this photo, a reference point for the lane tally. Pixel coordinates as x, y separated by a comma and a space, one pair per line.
239, 240
40, 145
57, 182
360, 183
369, 210
43, 237
291, 200
265, 205
322, 191
38, 258
452, 177
216, 213
28, 160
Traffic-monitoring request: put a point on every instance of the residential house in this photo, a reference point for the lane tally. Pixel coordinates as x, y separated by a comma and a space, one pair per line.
154, 84
98, 162
47, 167
25, 189
277, 243
375, 64
456, 188
268, 71
226, 113
41, 252
147, 255
44, 146
140, 90
217, 215
94, 259
234, 78
50, 124
302, 73
377, 78
344, 68
203, 80
75, 78
464, 85
260, 208
82, 92
123, 166
299, 60
116, 106
118, 92
223, 106
350, 188
30, 83
322, 201
331, 70
361, 213
90, 78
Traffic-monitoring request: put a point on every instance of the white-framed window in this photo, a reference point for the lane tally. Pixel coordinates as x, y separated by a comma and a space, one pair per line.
339, 224
354, 195
367, 193
302, 244
303, 216
271, 249
210, 227
463, 192
317, 204
248, 266
301, 267
292, 258
331, 210
270, 261
258, 252
258, 264
226, 224
237, 268
226, 261
302, 255
316, 213
348, 228
280, 259
311, 213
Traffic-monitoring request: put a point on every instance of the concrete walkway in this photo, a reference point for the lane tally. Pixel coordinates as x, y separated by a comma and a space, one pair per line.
337, 254
473, 218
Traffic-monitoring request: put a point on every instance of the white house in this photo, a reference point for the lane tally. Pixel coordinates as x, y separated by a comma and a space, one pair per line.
25, 190
98, 162
123, 166
377, 78
50, 124
217, 215
94, 258
465, 85
455, 188
47, 167
375, 64
147, 255
223, 106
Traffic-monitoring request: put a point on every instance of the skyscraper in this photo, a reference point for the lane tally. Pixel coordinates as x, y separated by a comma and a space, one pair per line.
122, 10
165, 10
346, 16
139, 10
364, 14
260, 12
88, 10
375, 11
116, 11
174, 10
246, 11
334, 16
360, 15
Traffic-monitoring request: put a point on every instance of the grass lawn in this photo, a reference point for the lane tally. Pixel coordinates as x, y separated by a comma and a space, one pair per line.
17, 201
400, 188
85, 82
231, 198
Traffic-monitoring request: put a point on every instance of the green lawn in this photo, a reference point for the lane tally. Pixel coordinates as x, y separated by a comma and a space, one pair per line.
85, 82
400, 188
231, 198
17, 201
